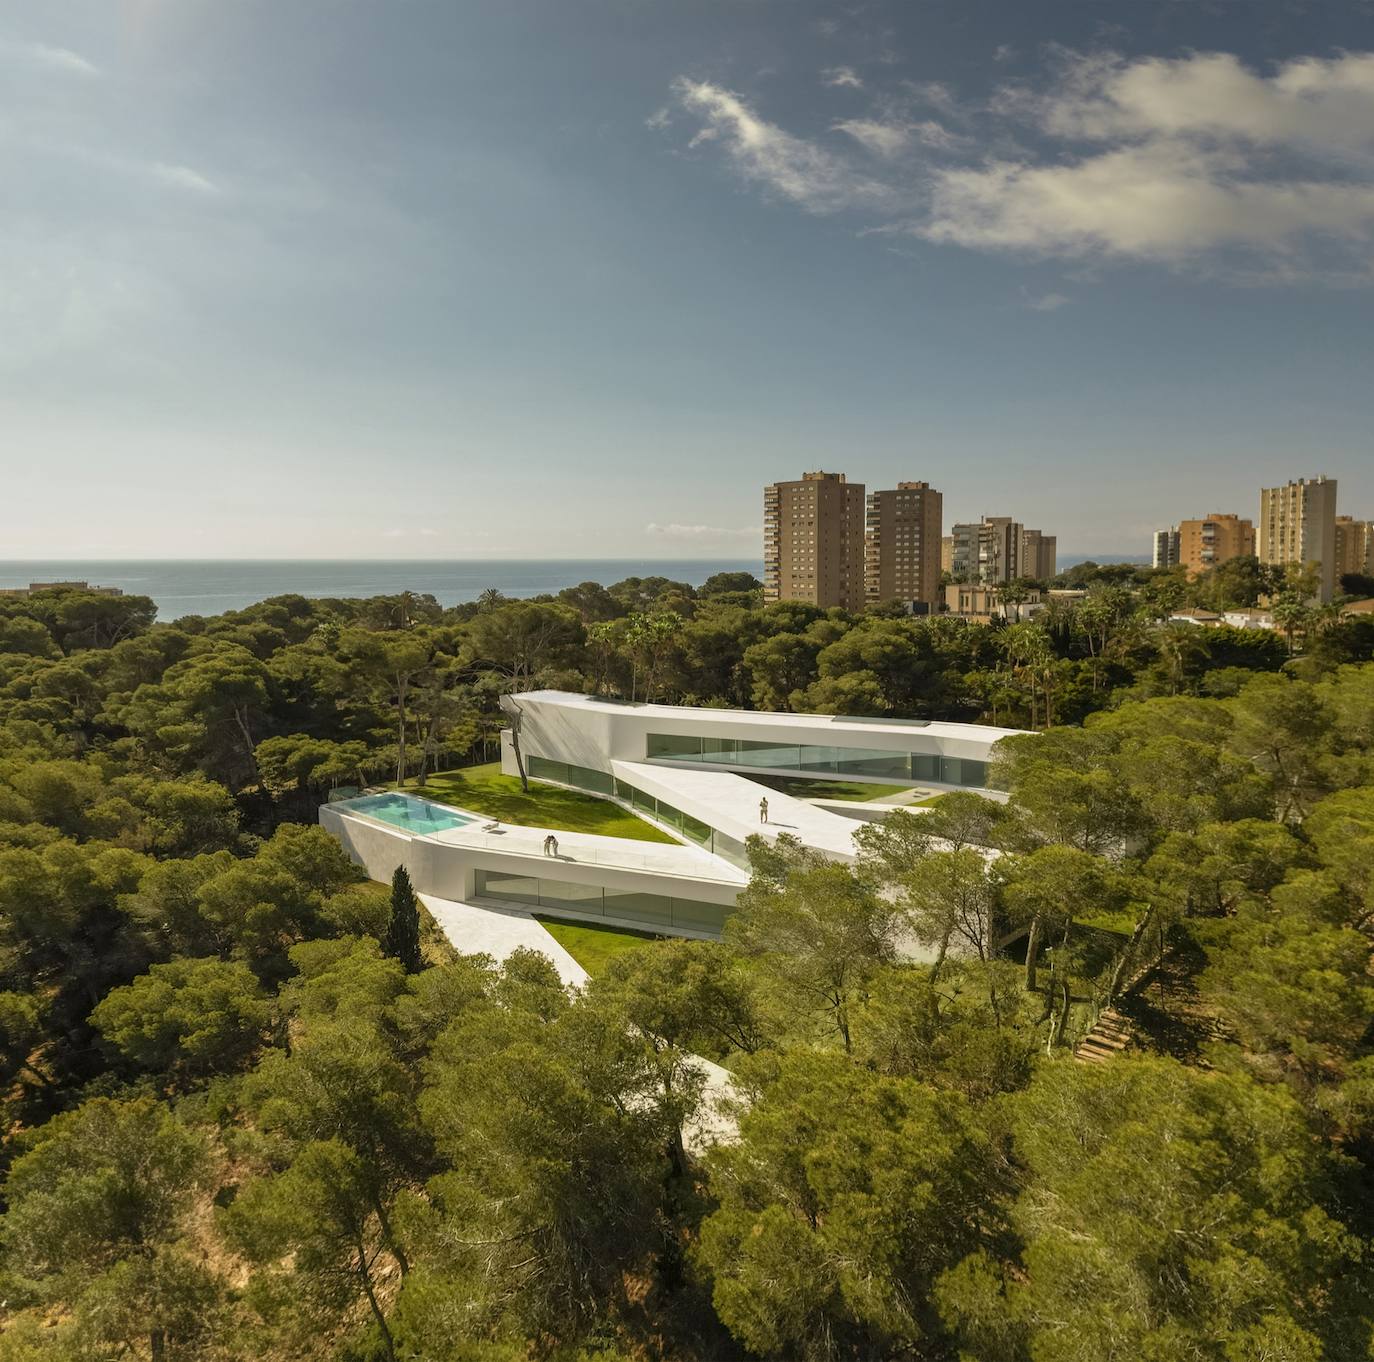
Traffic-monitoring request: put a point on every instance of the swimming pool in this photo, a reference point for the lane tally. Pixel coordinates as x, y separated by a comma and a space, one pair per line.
408, 813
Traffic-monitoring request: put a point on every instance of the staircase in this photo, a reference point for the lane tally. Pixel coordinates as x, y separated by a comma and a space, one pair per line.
1110, 1034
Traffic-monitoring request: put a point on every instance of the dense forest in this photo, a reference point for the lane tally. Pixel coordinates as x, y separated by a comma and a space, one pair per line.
257, 1107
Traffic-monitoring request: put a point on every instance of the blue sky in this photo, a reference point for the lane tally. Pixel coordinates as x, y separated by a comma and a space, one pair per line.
575, 278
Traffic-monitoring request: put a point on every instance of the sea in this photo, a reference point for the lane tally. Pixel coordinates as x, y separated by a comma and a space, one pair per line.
212, 586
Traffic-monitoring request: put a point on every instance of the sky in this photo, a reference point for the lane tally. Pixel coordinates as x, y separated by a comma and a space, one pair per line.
575, 278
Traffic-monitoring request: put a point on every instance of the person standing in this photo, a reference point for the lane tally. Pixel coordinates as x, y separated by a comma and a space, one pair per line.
763, 809
553, 846
548, 845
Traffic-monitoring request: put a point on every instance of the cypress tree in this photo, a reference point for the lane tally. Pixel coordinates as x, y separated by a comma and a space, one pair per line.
403, 931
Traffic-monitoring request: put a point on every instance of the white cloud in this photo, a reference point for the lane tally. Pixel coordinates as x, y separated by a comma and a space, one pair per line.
883, 139
399, 533
677, 531
1193, 161
183, 177
842, 76
48, 58
1045, 302
659, 119
1319, 104
817, 179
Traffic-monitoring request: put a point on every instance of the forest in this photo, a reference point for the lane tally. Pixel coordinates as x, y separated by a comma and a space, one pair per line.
259, 1107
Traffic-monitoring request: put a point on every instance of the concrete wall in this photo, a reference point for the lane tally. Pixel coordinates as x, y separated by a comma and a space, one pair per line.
593, 734
449, 870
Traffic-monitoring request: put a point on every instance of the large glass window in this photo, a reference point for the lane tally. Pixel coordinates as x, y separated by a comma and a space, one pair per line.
579, 898
541, 768
653, 912
692, 915
673, 745
516, 888
650, 910
818, 759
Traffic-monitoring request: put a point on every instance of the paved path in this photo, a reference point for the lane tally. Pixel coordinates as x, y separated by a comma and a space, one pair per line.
479, 928
476, 929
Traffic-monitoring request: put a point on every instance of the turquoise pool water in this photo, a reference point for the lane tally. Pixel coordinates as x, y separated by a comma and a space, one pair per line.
404, 811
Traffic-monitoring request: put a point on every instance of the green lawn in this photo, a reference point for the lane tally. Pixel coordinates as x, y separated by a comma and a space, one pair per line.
483, 789
591, 946
857, 791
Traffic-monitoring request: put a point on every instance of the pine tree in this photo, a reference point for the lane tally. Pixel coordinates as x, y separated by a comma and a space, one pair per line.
403, 932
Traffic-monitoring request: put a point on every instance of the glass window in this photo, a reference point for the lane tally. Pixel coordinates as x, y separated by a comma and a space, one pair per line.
825, 759
598, 782
693, 915
649, 910
770, 755
963, 771
624, 790
646, 802
673, 746
860, 761
541, 768
925, 766
497, 884
579, 898
722, 751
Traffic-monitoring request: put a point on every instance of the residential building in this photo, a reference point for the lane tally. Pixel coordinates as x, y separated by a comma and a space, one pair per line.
1354, 547
813, 541
946, 553
963, 551
1297, 528
1038, 554
1248, 619
982, 604
1202, 544
999, 549
1166, 548
902, 545
691, 772
988, 551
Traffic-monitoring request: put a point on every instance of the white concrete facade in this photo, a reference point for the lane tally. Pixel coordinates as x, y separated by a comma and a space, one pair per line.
594, 733
632, 754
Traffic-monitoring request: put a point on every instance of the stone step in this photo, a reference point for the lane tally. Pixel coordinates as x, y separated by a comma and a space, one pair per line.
1111, 1042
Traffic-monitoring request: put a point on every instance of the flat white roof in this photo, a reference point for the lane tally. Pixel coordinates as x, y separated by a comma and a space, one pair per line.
850, 727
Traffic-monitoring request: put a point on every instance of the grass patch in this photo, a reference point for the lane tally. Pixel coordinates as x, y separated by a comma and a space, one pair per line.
483, 789
928, 802
592, 946
855, 791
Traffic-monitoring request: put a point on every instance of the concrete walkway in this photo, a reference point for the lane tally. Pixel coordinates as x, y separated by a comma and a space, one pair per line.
479, 928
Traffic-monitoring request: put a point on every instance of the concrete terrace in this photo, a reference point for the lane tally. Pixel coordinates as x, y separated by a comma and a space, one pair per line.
583, 848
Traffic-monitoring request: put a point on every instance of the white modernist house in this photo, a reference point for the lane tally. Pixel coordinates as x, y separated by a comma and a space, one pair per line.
688, 770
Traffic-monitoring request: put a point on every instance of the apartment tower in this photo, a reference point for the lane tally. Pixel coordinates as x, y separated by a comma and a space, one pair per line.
1354, 547
1202, 544
998, 549
813, 541
1039, 553
1166, 548
902, 545
1297, 527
